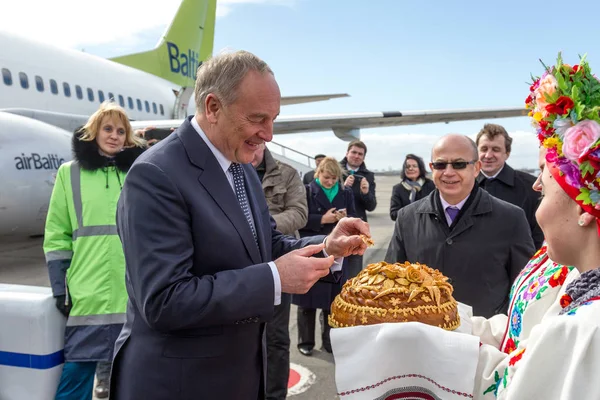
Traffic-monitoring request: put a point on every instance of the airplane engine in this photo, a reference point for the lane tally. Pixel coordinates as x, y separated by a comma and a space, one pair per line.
30, 154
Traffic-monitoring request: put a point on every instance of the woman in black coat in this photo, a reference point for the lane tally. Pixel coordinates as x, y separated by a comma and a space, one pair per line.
414, 186
328, 201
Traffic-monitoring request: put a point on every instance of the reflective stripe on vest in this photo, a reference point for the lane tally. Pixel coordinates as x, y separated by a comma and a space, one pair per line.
59, 255
99, 319
83, 231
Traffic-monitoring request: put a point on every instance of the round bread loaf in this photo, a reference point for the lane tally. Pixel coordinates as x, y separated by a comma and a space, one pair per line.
406, 292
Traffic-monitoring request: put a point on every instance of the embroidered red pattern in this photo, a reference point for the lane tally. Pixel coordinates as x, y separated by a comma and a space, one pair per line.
371, 387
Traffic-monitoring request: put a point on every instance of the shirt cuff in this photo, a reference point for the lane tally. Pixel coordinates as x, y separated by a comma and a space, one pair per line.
337, 262
277, 282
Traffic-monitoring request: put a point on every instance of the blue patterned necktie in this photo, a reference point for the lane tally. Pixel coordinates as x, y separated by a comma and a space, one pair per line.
452, 212
240, 192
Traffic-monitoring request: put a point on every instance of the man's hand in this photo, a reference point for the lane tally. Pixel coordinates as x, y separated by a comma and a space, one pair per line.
344, 240
299, 271
349, 181
364, 186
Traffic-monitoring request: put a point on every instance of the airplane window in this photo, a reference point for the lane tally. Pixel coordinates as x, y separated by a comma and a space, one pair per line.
121, 101
6, 76
111, 96
162, 110
78, 92
24, 80
67, 89
39, 83
53, 86
147, 106
139, 104
101, 96
90, 94
154, 108
130, 102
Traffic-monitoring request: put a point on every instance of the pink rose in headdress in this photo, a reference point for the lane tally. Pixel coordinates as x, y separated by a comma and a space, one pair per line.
579, 138
547, 86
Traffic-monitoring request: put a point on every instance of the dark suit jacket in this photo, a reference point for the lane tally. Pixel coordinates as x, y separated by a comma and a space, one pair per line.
200, 291
321, 295
482, 253
516, 188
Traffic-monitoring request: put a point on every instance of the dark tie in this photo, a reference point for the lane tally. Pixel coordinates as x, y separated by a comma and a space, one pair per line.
452, 212
240, 192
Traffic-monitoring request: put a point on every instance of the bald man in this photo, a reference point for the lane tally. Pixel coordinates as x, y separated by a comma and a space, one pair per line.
480, 242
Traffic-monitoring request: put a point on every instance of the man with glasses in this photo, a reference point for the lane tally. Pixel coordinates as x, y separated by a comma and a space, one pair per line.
478, 241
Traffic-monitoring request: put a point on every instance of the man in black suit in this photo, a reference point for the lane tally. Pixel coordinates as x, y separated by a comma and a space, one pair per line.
199, 243
503, 182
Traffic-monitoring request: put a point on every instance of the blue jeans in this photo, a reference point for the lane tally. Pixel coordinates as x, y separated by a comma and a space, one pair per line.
76, 381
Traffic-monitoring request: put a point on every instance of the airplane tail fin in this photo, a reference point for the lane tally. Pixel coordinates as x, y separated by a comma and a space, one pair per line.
187, 42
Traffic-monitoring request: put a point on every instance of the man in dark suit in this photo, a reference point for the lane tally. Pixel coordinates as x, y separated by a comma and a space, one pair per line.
477, 240
503, 182
199, 243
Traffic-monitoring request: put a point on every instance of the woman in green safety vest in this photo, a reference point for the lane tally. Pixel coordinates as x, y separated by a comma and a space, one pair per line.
83, 251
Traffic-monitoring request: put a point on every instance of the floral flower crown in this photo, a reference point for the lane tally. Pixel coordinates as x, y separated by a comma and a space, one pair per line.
564, 104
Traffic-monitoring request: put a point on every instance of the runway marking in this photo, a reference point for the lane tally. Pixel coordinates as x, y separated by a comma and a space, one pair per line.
300, 379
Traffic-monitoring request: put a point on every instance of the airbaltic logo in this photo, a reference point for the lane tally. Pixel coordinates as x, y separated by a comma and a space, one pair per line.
36, 161
182, 63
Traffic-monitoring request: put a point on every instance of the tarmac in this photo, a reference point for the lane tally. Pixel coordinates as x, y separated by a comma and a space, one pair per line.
22, 262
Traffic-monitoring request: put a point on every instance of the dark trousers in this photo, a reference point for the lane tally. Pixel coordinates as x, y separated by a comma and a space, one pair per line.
306, 328
278, 350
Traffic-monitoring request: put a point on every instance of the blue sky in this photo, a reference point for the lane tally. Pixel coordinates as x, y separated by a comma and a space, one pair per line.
388, 55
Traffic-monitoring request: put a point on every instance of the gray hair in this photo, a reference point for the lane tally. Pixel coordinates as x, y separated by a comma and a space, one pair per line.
222, 75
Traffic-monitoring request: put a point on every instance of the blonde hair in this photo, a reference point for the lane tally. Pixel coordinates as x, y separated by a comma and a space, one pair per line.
112, 110
330, 166
222, 75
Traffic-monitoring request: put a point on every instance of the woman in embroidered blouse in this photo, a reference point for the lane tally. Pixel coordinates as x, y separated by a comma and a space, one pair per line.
560, 356
414, 186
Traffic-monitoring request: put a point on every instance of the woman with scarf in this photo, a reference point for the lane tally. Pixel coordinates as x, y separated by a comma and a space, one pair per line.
328, 202
558, 357
414, 186
83, 251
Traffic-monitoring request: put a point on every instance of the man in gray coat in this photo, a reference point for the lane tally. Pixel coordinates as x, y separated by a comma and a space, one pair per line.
286, 198
478, 241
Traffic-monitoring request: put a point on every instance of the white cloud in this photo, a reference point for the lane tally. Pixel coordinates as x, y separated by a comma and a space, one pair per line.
388, 150
76, 23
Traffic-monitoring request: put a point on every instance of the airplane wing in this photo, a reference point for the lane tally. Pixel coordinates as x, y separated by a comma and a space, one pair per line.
288, 100
347, 126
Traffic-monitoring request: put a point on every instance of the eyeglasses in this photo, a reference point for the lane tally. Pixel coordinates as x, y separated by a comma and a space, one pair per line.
441, 165
411, 167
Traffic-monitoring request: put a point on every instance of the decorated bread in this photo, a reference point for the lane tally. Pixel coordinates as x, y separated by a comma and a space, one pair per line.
406, 292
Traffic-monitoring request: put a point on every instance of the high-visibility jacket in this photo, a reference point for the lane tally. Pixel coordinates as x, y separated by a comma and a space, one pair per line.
85, 258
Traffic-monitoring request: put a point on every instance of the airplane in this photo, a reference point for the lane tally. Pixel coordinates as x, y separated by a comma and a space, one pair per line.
46, 92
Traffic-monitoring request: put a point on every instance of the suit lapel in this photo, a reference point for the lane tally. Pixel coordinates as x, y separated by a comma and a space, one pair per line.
213, 179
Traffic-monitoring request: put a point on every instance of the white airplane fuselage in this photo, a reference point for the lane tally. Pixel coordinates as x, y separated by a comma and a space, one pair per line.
36, 124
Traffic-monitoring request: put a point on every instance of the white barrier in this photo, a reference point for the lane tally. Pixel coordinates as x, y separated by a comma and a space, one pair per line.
31, 343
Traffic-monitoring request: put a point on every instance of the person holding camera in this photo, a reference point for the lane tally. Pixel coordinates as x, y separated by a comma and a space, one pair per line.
361, 181
328, 202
